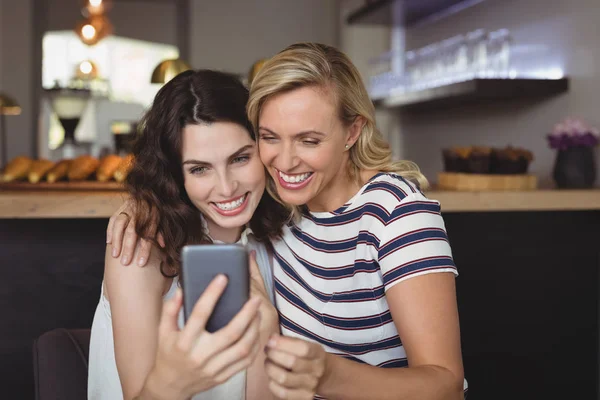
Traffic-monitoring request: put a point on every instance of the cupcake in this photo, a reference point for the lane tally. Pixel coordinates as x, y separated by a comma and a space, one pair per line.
510, 160
479, 160
455, 159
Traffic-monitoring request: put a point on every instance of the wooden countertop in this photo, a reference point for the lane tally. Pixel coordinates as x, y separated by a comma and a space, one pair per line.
102, 203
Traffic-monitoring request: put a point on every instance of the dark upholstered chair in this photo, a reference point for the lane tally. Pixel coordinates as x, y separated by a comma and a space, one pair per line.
60, 364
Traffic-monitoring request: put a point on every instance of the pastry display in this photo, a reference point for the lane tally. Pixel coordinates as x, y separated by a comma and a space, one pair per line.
85, 168
39, 169
59, 171
16, 169
123, 169
511, 160
107, 168
487, 160
82, 168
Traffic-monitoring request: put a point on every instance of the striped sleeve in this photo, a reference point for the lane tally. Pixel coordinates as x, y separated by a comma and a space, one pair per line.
414, 241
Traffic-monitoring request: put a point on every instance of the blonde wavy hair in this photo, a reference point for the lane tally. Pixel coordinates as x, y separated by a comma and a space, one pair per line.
319, 65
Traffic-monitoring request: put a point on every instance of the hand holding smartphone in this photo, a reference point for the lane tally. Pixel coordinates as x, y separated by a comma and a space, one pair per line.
200, 264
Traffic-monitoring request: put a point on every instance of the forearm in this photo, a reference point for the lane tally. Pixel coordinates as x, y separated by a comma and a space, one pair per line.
154, 389
257, 381
350, 380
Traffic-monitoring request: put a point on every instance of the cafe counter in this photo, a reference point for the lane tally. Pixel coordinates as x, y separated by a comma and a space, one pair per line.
103, 203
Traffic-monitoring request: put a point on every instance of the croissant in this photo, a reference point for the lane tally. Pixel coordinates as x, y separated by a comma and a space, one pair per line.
59, 171
107, 168
39, 169
82, 167
16, 169
124, 167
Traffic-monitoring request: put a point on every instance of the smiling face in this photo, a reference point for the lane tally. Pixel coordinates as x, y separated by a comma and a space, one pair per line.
303, 146
223, 176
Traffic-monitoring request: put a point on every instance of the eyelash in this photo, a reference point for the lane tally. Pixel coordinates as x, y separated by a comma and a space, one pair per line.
198, 170
237, 160
267, 138
306, 142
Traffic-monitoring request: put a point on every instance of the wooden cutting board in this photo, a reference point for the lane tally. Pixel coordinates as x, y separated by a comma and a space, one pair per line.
482, 182
62, 185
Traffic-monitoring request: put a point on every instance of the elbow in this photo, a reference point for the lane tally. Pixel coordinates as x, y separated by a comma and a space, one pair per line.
455, 385
451, 383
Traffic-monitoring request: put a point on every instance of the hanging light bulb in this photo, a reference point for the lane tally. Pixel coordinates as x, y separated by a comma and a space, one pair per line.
86, 70
96, 7
88, 32
93, 29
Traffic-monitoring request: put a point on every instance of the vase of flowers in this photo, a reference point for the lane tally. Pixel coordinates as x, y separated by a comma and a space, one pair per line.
575, 165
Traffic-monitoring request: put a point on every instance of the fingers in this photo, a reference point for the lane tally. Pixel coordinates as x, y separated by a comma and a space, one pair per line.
289, 379
241, 365
282, 392
109, 228
235, 329
243, 351
118, 230
160, 239
289, 361
129, 243
143, 252
170, 314
298, 347
202, 311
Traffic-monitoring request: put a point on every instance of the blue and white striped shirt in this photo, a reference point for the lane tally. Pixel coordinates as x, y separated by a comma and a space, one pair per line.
332, 269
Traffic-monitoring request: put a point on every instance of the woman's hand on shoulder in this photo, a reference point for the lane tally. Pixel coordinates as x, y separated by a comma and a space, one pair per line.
122, 237
193, 360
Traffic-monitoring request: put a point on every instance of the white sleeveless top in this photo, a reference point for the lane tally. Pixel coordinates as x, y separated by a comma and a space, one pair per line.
103, 377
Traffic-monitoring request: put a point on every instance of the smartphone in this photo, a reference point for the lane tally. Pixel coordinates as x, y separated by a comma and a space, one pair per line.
200, 264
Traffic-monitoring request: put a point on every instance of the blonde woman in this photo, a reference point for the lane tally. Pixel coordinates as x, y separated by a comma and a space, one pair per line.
364, 275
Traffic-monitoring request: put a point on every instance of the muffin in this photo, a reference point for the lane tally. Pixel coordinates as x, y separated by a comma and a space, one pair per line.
479, 160
456, 159
510, 160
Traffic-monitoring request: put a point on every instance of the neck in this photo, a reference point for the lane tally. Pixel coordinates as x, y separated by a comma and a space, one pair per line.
341, 189
225, 235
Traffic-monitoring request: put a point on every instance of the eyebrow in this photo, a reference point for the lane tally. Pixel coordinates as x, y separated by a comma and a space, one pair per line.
303, 133
231, 157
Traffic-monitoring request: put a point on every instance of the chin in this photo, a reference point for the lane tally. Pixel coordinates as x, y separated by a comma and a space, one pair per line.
231, 222
294, 197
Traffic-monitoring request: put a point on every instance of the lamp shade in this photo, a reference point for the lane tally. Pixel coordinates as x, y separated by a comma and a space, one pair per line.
168, 69
8, 105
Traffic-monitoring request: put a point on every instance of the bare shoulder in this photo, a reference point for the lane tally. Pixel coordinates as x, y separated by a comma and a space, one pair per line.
133, 280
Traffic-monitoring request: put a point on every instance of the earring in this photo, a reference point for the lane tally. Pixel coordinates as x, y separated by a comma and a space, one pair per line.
347, 147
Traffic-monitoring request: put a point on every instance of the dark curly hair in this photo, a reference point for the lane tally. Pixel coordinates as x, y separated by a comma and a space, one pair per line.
156, 182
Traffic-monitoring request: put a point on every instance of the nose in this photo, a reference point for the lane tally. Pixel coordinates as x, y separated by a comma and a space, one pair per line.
287, 159
227, 185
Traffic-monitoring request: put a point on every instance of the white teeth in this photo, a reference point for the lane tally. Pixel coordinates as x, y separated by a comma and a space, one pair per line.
294, 178
232, 205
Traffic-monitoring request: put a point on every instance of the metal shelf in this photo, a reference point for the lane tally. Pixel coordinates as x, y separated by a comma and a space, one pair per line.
476, 91
381, 12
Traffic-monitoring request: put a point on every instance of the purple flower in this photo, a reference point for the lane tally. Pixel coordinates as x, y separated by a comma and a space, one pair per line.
573, 133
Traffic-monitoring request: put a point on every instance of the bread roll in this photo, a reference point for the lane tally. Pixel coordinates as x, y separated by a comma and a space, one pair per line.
17, 169
124, 167
107, 168
82, 167
58, 171
39, 169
